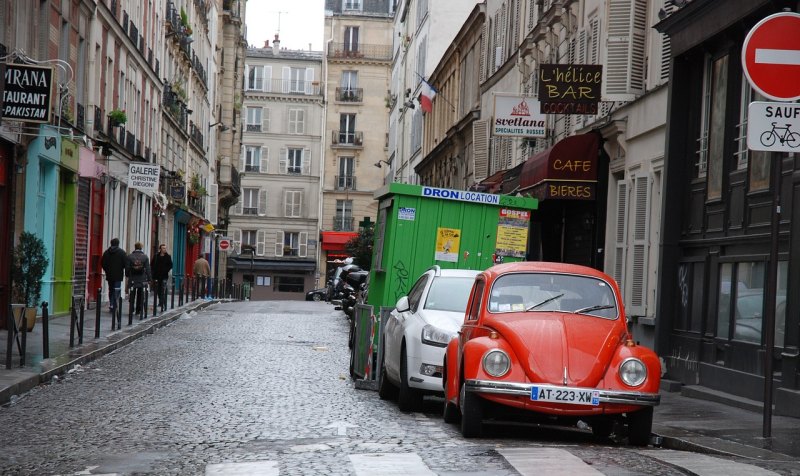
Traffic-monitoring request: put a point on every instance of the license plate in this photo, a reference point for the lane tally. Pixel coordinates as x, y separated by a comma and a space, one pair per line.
573, 396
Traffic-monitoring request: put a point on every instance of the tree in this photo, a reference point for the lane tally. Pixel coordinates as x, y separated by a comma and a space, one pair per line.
360, 247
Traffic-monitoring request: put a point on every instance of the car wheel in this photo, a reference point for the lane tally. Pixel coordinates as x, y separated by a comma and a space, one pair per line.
386, 391
409, 399
640, 424
602, 428
471, 413
450, 413
316, 297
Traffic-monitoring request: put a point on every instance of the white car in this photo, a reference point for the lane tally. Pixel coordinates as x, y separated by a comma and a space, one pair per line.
417, 332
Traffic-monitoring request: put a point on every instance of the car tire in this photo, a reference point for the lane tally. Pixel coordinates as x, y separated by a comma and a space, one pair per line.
386, 391
640, 424
450, 413
409, 399
316, 297
602, 428
471, 414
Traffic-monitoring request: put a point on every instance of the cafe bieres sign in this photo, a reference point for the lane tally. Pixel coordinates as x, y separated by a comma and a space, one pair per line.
27, 93
570, 88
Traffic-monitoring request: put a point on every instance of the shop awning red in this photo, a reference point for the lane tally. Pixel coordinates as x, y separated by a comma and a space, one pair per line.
568, 170
335, 240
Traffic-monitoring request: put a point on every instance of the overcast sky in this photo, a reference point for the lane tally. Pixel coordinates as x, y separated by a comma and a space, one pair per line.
301, 23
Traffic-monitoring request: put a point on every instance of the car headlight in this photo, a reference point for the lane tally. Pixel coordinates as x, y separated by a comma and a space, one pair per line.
496, 363
432, 335
632, 372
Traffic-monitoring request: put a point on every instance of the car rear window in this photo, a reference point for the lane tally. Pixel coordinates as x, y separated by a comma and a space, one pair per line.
449, 294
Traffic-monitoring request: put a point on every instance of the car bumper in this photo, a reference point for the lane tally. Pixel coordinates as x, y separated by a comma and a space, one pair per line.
524, 389
428, 356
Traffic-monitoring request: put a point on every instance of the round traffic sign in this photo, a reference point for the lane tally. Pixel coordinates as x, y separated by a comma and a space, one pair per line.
771, 56
224, 245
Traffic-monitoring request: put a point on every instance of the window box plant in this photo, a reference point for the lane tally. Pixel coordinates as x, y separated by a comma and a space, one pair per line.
117, 117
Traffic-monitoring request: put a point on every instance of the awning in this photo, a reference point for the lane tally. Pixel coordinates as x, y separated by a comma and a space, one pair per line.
261, 264
335, 240
566, 171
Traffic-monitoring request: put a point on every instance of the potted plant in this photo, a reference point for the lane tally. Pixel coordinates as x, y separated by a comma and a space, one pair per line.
28, 267
117, 117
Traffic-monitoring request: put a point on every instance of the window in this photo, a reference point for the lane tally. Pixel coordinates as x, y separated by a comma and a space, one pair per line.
294, 203
297, 82
345, 181
294, 164
349, 80
343, 220
255, 78
415, 294
288, 284
351, 38
716, 129
254, 119
347, 128
291, 243
252, 158
351, 5
250, 201
297, 121
757, 159
249, 238
741, 300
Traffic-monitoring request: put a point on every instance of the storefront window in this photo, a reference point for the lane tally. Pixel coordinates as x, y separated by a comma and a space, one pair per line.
288, 284
741, 300
780, 303
724, 300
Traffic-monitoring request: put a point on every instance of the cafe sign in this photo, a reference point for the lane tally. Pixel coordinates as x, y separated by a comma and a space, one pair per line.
27, 93
570, 88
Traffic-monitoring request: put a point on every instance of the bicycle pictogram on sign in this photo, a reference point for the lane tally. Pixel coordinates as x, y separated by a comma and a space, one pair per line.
784, 135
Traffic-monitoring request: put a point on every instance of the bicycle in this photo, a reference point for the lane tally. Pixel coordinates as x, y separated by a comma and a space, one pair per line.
788, 137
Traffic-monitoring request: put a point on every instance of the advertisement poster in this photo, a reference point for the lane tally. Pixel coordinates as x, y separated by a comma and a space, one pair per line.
512, 232
447, 242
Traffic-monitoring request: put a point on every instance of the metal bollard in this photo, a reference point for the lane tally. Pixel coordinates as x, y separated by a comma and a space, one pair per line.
73, 319
81, 329
24, 339
180, 292
97, 313
172, 300
130, 310
45, 330
119, 312
155, 299
144, 301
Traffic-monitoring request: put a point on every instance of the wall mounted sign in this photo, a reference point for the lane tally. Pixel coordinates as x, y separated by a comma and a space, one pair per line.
518, 116
144, 177
27, 93
177, 191
570, 88
512, 232
447, 243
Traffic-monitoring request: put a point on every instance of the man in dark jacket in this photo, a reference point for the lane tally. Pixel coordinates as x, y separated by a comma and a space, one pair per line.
138, 272
114, 262
162, 265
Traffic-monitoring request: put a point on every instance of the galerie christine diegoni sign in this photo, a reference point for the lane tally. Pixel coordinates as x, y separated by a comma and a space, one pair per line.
518, 116
27, 93
144, 177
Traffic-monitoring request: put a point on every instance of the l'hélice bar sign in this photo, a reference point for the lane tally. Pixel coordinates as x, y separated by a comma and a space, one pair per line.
570, 88
27, 93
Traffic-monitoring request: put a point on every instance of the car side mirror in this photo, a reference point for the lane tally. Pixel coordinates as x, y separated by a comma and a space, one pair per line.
402, 304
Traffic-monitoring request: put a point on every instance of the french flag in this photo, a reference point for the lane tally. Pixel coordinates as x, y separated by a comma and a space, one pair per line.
426, 96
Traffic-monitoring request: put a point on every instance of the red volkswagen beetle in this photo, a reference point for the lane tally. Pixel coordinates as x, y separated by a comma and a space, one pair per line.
549, 343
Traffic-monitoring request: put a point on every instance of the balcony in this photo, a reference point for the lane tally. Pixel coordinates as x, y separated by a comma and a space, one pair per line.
253, 128
281, 86
252, 168
249, 210
345, 182
342, 223
361, 52
347, 138
175, 107
196, 134
350, 94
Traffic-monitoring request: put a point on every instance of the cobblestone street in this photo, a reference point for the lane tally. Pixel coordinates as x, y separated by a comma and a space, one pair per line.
266, 384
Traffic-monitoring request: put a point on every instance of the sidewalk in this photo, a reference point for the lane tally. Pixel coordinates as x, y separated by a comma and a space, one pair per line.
37, 370
727, 426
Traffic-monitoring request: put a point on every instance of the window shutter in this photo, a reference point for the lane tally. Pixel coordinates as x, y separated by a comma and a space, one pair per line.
267, 78
303, 252
287, 77
306, 161
278, 243
298, 206
263, 167
247, 83
237, 239
641, 226
484, 46
594, 47
262, 203
309, 80
239, 209
301, 122
581, 51
212, 203
260, 242
265, 120
284, 162
620, 239
666, 47
625, 52
287, 203
480, 144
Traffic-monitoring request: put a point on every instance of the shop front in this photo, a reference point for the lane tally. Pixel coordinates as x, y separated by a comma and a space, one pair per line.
271, 279
333, 248
67, 221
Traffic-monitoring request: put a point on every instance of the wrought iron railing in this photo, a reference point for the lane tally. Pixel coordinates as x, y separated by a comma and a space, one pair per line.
360, 51
350, 94
342, 223
345, 182
347, 138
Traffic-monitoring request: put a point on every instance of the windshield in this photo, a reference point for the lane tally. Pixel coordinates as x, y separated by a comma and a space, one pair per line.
449, 294
534, 292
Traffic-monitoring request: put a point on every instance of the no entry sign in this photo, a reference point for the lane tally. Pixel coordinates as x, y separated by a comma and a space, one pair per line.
224, 244
771, 56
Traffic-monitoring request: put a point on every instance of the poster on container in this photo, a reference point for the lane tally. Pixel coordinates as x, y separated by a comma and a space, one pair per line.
447, 243
512, 232
144, 177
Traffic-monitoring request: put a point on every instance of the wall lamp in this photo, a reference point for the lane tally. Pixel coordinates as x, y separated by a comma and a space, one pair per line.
222, 127
378, 163
409, 104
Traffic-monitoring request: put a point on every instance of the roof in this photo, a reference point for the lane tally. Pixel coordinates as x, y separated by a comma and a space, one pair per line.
268, 52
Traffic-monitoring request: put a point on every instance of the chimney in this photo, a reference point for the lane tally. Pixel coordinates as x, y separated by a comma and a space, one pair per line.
266, 43
276, 45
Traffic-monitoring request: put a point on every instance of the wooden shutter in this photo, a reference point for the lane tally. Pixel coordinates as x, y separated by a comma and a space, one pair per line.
265, 119
484, 47
267, 78
666, 48
641, 226
594, 41
309, 80
262, 203
237, 239
239, 208
212, 203
279, 243
260, 242
480, 145
287, 77
247, 83
263, 167
283, 164
303, 252
625, 50
306, 161
620, 237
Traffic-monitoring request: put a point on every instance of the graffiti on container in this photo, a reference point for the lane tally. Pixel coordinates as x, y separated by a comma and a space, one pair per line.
401, 278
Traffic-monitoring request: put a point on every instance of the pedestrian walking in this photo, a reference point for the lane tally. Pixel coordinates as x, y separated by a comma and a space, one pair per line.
162, 265
114, 262
138, 272
201, 271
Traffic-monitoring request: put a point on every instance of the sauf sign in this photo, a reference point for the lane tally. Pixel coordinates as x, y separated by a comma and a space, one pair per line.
27, 93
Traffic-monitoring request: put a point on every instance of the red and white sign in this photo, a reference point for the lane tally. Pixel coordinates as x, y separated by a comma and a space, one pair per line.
224, 244
771, 56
